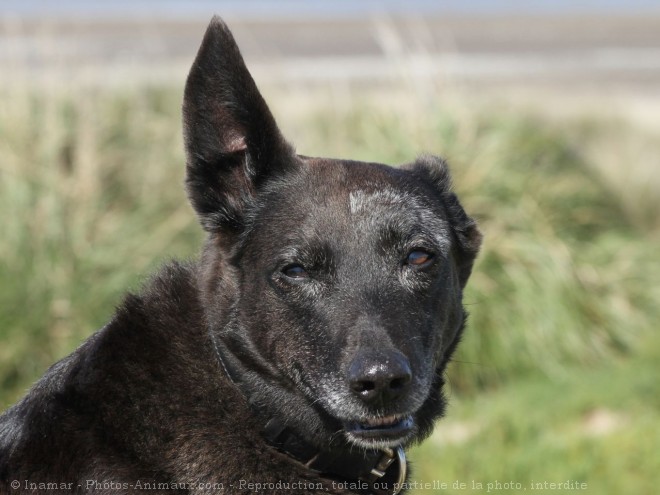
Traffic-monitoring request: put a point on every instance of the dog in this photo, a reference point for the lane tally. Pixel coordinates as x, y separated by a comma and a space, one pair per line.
301, 353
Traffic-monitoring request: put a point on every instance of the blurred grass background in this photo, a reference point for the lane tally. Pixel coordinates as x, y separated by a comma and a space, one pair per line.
557, 378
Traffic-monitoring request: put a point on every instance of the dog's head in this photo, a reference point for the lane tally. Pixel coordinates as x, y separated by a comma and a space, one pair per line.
333, 288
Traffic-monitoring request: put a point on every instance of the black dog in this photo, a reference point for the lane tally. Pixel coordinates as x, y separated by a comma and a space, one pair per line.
301, 354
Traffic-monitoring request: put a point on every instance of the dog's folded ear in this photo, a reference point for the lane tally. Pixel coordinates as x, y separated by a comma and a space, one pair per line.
435, 171
233, 144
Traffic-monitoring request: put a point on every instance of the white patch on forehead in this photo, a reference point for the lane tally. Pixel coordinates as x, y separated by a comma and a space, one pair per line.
363, 201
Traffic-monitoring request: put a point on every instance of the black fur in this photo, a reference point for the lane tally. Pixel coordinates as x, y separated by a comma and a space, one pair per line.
307, 291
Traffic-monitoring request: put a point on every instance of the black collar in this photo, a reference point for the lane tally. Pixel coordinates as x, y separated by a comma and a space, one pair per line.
381, 472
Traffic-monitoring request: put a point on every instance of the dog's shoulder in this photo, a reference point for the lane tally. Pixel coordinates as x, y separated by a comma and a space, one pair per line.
132, 372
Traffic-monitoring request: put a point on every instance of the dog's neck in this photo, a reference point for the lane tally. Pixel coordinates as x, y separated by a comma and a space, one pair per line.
377, 471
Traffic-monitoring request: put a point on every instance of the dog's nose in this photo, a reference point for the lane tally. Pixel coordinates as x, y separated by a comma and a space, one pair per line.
379, 376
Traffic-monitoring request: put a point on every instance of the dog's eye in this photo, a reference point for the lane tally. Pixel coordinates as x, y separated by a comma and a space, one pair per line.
295, 271
419, 258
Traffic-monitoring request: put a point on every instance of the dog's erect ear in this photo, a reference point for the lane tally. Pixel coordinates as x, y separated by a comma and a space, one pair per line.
435, 170
232, 142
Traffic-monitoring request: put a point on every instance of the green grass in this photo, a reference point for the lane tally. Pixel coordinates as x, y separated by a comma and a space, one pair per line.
563, 300
91, 198
598, 426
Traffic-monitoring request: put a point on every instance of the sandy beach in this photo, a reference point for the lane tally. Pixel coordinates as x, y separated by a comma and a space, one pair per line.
588, 50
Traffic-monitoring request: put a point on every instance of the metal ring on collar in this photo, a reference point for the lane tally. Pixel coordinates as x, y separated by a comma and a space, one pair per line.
403, 470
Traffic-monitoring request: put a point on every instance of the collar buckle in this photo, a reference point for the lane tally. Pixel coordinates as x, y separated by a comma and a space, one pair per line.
388, 457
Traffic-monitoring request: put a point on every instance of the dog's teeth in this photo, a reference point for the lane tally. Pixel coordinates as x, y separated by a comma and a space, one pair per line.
385, 420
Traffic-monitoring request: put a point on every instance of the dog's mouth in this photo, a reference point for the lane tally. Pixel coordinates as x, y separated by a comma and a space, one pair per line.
386, 430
